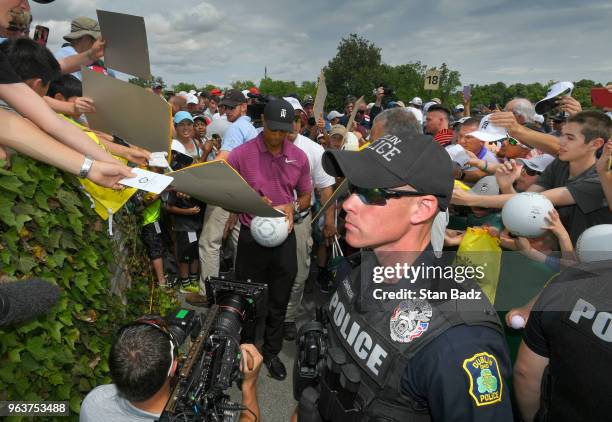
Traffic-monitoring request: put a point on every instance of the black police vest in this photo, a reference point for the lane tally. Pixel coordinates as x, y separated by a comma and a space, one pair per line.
578, 386
365, 365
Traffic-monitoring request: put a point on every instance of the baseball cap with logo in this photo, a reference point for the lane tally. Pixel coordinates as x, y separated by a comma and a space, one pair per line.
232, 98
487, 132
278, 115
537, 163
559, 89
82, 26
392, 162
308, 100
486, 186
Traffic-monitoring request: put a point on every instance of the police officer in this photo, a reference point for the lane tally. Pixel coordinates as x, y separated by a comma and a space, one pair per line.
421, 356
563, 368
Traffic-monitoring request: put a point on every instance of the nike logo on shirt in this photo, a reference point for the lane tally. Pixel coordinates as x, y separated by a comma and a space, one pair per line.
290, 161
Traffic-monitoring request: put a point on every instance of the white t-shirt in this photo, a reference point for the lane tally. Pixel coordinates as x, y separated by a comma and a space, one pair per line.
314, 152
196, 153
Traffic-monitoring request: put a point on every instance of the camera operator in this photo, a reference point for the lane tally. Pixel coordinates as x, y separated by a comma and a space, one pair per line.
403, 359
142, 363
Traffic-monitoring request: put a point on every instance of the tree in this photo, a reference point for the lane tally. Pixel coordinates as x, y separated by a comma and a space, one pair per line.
277, 88
147, 83
184, 86
355, 70
242, 85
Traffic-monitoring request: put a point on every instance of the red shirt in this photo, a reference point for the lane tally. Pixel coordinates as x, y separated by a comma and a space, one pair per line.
276, 177
444, 137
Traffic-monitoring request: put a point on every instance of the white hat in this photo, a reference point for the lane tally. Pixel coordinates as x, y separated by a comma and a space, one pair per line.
539, 118
460, 107
416, 101
460, 121
488, 132
192, 99
245, 92
351, 143
609, 114
334, 115
295, 103
486, 186
557, 90
457, 154
370, 105
427, 105
537, 163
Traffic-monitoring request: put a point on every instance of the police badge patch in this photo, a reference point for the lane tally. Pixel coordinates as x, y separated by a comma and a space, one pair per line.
410, 320
486, 384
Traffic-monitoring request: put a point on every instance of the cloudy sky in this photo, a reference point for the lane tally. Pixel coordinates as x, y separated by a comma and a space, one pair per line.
218, 41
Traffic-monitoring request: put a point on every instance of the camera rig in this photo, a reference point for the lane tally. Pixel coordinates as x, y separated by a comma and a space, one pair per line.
212, 363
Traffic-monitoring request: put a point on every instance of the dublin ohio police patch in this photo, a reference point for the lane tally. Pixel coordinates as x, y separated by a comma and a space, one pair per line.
486, 384
410, 320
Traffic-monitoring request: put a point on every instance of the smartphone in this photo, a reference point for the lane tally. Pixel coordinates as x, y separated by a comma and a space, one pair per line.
467, 92
601, 97
41, 35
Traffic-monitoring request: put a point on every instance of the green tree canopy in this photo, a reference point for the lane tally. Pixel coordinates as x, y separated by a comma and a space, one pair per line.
147, 83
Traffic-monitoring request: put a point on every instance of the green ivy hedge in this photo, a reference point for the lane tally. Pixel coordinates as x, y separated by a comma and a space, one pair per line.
48, 230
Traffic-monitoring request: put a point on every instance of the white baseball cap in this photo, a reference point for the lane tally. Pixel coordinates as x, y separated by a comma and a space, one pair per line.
537, 163
334, 115
192, 99
460, 107
416, 101
557, 90
488, 132
295, 103
539, 118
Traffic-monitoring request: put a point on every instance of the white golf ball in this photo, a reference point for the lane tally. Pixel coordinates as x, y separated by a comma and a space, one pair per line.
517, 322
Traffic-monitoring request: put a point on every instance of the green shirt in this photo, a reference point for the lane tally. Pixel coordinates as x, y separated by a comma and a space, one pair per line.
152, 212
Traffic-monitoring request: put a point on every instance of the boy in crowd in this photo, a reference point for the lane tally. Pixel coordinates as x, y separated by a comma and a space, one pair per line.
570, 182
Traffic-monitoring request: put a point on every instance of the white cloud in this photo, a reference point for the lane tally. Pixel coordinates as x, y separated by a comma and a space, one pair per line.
486, 40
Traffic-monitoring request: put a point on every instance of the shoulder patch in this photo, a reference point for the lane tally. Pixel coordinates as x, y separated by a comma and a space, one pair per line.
486, 383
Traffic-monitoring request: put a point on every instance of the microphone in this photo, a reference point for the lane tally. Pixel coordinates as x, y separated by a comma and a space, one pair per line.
25, 300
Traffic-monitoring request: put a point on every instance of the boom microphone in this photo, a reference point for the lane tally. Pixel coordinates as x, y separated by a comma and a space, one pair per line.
25, 300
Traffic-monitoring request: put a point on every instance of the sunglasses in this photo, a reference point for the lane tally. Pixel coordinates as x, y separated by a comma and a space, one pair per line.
379, 196
515, 142
531, 172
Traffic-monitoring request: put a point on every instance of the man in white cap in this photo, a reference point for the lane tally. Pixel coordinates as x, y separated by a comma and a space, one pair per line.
334, 117
474, 138
302, 225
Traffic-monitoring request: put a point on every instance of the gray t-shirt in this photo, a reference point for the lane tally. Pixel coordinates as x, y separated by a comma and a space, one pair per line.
104, 404
591, 207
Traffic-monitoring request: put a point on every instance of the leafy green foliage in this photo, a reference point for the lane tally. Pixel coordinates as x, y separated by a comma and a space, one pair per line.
48, 230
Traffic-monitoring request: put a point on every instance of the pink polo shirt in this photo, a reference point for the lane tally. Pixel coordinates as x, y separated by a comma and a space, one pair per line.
276, 177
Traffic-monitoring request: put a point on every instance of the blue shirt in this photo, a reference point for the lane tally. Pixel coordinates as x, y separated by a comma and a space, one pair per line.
238, 133
68, 51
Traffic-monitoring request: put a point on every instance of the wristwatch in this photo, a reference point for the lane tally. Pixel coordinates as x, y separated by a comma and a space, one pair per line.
86, 167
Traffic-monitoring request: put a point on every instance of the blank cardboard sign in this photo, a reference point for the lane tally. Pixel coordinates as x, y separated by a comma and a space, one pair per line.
128, 111
217, 183
126, 43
